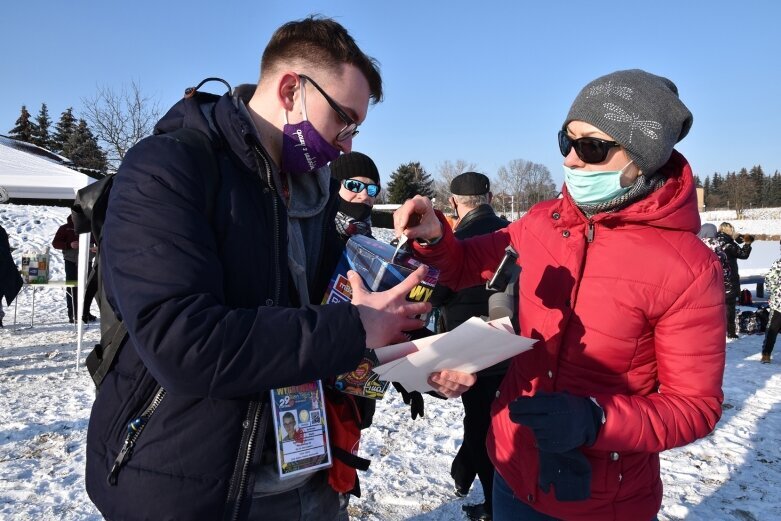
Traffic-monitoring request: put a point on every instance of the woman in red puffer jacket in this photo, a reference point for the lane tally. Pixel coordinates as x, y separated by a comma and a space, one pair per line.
626, 304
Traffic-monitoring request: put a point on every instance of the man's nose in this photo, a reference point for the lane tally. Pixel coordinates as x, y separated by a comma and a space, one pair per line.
345, 146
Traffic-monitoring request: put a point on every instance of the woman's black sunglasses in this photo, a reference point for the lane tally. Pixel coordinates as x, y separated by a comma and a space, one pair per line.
356, 186
589, 149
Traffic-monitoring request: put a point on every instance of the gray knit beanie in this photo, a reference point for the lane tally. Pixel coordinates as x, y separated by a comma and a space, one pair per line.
639, 110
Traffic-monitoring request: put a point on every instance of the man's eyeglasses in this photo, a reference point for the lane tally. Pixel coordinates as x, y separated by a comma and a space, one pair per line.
350, 126
356, 186
589, 149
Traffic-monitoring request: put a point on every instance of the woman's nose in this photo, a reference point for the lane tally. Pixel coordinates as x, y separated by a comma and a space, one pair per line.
572, 160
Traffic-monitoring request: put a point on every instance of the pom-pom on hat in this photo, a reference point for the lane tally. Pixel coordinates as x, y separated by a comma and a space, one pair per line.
352, 165
470, 183
639, 110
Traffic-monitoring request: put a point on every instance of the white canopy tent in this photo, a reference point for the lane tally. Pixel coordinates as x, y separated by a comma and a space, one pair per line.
31, 172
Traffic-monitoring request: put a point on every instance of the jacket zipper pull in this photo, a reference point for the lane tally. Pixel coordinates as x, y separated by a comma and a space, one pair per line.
127, 448
590, 233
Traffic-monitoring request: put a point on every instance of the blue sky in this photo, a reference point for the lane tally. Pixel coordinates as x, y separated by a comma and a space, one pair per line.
486, 82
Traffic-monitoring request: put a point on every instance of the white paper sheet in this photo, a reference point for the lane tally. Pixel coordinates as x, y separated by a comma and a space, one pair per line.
471, 347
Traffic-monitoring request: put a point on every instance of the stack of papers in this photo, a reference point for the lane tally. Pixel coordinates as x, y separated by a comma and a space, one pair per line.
471, 347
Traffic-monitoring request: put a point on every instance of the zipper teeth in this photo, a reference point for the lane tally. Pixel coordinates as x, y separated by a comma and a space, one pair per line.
245, 467
148, 412
275, 207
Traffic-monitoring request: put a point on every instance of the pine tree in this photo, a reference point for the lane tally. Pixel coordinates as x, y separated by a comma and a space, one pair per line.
757, 177
40, 133
407, 181
63, 130
82, 148
774, 198
23, 130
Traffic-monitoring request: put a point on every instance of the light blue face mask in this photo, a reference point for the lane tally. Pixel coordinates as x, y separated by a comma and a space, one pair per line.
597, 186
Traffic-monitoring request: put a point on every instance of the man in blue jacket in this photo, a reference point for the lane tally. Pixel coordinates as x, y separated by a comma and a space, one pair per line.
218, 286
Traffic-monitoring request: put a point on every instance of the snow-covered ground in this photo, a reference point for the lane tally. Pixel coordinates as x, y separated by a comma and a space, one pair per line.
733, 474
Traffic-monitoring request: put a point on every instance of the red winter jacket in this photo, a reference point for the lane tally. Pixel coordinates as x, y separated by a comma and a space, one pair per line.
628, 308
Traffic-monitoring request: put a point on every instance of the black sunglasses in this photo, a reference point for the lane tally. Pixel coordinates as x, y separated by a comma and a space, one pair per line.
356, 186
350, 126
589, 149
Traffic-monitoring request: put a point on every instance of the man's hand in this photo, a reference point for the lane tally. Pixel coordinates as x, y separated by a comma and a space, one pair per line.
74, 245
416, 219
451, 383
385, 315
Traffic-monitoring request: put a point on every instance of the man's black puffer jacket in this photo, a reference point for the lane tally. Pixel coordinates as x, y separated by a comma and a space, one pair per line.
206, 304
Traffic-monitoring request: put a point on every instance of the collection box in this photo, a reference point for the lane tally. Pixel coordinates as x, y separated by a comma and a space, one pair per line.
374, 262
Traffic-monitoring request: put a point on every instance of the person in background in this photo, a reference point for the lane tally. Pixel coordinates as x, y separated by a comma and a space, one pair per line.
67, 240
707, 234
731, 245
471, 203
773, 288
221, 307
10, 279
359, 186
626, 303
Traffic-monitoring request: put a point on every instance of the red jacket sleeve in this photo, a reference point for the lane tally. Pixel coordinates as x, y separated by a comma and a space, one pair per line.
466, 263
63, 238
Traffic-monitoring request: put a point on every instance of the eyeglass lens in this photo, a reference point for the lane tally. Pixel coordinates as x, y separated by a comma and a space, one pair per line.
589, 149
356, 186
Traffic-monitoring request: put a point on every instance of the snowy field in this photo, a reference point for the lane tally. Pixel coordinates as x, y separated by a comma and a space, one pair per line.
733, 474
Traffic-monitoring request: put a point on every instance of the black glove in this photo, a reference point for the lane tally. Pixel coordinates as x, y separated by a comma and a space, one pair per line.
569, 472
560, 421
413, 399
739, 239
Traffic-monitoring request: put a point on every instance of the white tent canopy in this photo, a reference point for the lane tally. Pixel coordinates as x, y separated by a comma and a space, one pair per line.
31, 172
27, 175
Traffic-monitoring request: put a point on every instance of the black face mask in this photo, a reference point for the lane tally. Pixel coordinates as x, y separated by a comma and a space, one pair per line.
359, 211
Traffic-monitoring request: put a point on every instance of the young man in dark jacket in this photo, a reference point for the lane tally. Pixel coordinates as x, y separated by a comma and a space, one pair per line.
471, 200
217, 286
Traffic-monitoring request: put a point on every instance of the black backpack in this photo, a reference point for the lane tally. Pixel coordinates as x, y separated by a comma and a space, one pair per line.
89, 214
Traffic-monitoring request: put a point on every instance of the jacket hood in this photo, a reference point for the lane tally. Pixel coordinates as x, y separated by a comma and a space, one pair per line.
673, 207
219, 117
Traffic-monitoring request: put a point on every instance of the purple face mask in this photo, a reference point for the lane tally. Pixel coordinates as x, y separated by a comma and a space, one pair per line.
303, 148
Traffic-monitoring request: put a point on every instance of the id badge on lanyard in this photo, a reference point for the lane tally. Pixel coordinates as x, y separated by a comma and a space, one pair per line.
301, 429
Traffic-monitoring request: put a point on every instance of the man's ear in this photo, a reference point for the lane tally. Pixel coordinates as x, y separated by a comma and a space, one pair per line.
287, 87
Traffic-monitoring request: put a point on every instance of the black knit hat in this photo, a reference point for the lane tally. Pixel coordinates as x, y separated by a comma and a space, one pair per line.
352, 165
470, 183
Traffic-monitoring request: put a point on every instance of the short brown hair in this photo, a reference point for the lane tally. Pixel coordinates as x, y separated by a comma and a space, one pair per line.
324, 42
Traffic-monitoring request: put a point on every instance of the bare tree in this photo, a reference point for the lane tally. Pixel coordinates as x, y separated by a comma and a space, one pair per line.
120, 118
445, 174
528, 183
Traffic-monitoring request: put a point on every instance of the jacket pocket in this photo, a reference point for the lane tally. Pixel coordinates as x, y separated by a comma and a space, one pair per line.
135, 427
